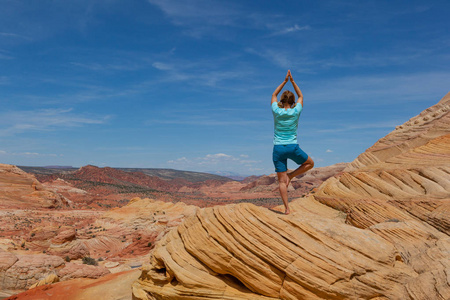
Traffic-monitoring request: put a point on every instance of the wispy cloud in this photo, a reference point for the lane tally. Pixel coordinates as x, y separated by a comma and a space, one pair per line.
13, 35
207, 12
28, 154
16, 122
202, 72
5, 55
382, 88
218, 161
285, 59
211, 17
125, 66
22, 24
290, 30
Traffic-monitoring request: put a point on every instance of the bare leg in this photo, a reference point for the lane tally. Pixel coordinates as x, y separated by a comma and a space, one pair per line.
283, 180
306, 166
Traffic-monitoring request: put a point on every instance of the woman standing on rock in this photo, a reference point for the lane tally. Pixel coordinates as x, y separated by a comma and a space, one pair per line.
286, 113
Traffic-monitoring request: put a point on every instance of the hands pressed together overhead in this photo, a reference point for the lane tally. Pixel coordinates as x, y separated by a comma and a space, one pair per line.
288, 76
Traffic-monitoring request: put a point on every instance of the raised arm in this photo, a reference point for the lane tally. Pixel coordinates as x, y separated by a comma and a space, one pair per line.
279, 88
297, 90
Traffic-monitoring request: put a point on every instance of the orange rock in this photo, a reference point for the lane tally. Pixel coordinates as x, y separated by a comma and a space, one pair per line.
19, 189
110, 286
73, 270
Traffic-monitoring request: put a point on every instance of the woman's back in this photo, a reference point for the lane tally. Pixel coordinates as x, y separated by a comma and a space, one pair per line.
285, 124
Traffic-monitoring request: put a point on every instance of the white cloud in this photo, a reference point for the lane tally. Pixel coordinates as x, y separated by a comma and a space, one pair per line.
118, 66
329, 151
201, 72
179, 160
291, 29
14, 122
217, 161
13, 35
162, 66
208, 12
27, 154
218, 156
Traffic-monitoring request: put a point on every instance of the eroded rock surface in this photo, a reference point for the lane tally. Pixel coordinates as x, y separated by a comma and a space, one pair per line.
19, 189
377, 230
72, 270
27, 269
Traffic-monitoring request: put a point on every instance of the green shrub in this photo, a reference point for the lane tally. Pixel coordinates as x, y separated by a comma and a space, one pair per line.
89, 261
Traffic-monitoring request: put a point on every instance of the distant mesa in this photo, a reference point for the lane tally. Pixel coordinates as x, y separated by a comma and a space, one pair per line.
166, 174
58, 167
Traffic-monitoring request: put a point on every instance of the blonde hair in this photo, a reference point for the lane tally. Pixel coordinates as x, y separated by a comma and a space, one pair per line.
287, 97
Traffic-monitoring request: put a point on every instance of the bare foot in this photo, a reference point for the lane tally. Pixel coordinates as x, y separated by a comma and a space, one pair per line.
287, 212
275, 211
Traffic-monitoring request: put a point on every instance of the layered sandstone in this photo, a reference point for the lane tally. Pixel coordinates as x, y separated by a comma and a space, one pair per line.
378, 230
19, 189
403, 176
142, 222
49, 246
112, 286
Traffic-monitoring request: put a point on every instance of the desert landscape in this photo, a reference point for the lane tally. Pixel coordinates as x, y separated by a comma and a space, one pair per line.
375, 228
69, 223
227, 150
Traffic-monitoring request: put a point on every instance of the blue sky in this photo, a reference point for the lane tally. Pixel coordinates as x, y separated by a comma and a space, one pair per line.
187, 84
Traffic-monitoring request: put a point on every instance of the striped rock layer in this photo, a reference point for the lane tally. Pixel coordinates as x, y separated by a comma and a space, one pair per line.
378, 230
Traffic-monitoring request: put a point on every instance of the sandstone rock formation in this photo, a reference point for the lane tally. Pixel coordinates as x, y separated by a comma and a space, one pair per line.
52, 278
403, 176
112, 286
378, 230
42, 246
19, 272
19, 189
142, 222
73, 270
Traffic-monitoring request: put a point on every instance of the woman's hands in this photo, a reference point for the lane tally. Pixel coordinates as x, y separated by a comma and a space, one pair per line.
290, 76
287, 76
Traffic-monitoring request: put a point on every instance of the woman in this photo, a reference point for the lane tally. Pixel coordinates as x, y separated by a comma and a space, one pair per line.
285, 115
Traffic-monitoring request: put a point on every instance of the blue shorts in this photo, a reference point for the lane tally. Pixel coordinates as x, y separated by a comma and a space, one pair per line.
282, 152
